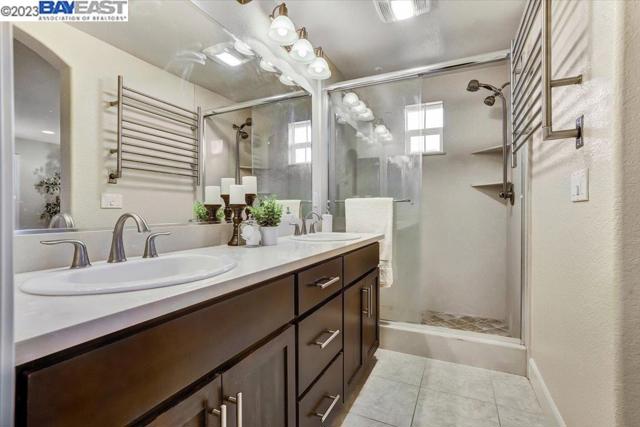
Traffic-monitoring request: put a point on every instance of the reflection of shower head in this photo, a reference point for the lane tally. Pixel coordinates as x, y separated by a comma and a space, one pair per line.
473, 86
244, 135
490, 100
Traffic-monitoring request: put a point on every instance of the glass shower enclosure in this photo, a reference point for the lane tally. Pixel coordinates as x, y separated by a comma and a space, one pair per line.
436, 149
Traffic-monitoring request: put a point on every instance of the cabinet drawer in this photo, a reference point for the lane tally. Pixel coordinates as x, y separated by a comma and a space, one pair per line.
114, 384
319, 340
324, 400
318, 283
360, 262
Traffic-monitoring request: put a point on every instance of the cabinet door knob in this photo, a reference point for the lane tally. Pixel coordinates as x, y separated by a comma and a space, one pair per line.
222, 413
237, 400
326, 342
323, 415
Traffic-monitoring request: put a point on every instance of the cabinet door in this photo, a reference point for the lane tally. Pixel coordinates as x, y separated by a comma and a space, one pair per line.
259, 391
370, 295
200, 409
352, 333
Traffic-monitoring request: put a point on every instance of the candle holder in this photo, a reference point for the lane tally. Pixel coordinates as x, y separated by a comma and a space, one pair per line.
213, 210
236, 239
227, 210
249, 198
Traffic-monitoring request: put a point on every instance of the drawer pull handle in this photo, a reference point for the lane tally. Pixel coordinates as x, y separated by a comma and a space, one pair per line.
326, 282
238, 402
222, 413
323, 415
367, 311
326, 342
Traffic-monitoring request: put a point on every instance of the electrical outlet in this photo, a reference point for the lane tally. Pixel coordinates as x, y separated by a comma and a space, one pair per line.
111, 201
580, 185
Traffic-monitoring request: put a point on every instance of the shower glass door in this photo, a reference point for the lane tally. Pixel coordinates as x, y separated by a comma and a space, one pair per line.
436, 149
367, 162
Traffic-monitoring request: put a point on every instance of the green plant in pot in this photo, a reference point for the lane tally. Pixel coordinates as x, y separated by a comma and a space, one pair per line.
268, 214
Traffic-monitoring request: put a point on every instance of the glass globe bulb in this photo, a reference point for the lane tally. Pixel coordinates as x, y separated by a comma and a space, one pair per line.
282, 31
286, 80
380, 129
359, 107
267, 66
350, 99
302, 51
319, 69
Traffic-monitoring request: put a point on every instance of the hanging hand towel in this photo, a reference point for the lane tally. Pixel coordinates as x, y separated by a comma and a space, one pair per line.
374, 215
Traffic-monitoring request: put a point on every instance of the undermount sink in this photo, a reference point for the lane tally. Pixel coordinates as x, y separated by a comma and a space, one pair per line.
133, 275
326, 237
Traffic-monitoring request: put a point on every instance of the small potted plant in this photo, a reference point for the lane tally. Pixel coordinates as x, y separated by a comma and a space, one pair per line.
200, 212
268, 214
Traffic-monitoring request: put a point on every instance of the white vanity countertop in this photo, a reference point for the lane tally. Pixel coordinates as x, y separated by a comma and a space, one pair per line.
46, 324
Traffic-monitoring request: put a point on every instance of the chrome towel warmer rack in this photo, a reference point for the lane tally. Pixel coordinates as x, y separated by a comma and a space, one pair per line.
173, 148
532, 82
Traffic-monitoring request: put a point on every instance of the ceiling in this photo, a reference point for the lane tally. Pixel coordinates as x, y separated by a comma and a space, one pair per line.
360, 44
170, 34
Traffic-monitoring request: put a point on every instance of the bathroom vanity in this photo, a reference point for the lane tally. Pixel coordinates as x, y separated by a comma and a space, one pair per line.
279, 344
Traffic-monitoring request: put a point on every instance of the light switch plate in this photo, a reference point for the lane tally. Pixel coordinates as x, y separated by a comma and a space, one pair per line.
580, 185
111, 201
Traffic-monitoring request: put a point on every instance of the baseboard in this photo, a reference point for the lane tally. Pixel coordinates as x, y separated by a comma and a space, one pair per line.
544, 396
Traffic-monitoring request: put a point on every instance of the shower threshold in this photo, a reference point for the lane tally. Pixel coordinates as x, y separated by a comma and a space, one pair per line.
481, 325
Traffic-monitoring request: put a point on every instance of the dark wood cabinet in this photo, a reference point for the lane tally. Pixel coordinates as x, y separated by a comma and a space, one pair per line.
201, 409
360, 326
261, 387
276, 354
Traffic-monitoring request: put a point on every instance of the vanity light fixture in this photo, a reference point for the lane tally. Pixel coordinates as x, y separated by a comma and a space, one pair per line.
268, 66
286, 80
340, 119
380, 129
319, 67
48, 132
359, 107
243, 48
350, 99
282, 30
366, 116
302, 50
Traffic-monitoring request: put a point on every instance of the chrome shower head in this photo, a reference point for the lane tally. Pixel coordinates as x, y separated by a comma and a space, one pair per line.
244, 135
490, 100
473, 86
248, 122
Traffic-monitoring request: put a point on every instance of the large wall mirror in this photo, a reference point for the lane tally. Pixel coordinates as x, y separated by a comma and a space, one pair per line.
80, 163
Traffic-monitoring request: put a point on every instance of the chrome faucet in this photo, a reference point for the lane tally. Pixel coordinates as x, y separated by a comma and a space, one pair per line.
62, 220
80, 255
312, 228
117, 245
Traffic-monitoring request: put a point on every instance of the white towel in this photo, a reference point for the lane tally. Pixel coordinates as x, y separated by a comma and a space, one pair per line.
293, 207
374, 215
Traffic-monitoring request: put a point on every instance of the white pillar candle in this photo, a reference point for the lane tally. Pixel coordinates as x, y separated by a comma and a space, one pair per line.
250, 184
236, 195
212, 195
225, 183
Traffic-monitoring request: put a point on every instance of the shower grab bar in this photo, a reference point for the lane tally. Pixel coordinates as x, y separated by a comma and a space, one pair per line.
178, 160
548, 84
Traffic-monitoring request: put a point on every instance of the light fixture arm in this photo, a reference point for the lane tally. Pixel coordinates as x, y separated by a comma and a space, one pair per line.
282, 10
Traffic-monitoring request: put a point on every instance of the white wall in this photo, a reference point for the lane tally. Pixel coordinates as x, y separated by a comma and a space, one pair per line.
575, 258
464, 228
93, 67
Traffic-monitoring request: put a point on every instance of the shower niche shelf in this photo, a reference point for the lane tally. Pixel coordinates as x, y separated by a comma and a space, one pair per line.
490, 185
497, 149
